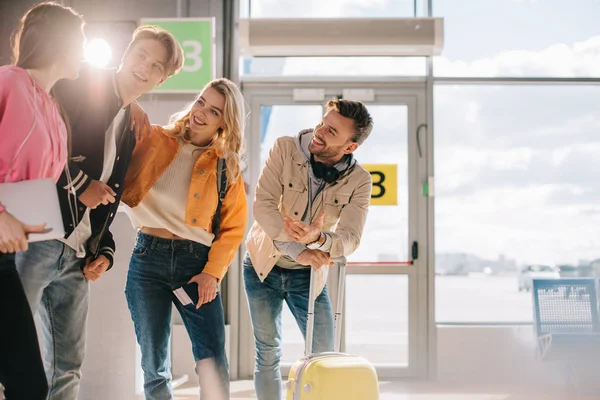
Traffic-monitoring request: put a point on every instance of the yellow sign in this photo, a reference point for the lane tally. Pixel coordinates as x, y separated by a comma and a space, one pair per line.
385, 184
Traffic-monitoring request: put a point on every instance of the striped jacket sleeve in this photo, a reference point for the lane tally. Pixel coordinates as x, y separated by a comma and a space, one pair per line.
107, 247
67, 95
79, 180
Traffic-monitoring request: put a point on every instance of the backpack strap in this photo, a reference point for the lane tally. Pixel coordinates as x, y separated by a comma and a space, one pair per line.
221, 191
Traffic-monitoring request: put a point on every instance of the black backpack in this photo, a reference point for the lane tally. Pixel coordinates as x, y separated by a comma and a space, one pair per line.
222, 191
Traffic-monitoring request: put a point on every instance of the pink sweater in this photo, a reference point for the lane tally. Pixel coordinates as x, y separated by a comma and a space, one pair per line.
45, 152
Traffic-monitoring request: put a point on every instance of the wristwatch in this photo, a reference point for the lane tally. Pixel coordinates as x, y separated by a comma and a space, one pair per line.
317, 243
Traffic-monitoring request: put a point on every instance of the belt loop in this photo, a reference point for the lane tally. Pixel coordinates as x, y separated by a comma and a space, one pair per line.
191, 244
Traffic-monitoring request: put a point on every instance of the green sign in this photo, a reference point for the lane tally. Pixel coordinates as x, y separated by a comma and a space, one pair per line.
197, 39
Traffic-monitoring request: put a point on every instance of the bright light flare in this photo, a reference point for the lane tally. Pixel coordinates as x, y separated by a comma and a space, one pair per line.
98, 53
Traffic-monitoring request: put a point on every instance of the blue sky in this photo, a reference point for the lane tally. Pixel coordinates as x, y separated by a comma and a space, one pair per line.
483, 28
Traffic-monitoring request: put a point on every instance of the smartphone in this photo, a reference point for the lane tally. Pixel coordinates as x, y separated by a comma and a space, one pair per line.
187, 294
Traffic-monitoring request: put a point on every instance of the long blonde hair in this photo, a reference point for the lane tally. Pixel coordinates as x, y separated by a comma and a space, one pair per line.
229, 140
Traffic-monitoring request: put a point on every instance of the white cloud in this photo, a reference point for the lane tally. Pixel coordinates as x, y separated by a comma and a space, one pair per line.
515, 181
574, 132
472, 112
519, 224
463, 165
558, 156
582, 59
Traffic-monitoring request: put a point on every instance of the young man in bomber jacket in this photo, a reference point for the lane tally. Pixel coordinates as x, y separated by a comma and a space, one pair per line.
56, 274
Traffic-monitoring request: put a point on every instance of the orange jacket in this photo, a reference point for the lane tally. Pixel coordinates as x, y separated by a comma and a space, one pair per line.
151, 158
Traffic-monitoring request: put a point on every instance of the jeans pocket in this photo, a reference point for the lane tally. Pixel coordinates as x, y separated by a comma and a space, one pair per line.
201, 254
139, 250
247, 263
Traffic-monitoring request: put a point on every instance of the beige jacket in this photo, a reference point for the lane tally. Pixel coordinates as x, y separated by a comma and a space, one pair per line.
283, 190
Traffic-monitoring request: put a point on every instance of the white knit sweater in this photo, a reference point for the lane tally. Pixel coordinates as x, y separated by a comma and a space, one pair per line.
165, 203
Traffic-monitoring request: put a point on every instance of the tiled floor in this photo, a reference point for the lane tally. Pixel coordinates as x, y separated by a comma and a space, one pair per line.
404, 390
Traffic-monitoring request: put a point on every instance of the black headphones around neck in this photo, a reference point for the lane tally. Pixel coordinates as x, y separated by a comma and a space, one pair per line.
327, 174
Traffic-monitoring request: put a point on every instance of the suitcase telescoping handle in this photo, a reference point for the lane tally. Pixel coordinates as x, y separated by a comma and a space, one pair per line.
310, 324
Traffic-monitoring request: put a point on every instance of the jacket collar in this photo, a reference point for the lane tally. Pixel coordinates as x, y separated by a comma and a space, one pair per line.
301, 156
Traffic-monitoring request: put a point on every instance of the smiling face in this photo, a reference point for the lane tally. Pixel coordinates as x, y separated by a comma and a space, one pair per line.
206, 116
143, 67
332, 138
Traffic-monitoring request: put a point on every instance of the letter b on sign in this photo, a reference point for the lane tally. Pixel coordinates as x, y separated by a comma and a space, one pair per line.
385, 184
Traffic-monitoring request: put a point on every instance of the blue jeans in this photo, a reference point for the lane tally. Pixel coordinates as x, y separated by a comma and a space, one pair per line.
157, 267
53, 281
265, 300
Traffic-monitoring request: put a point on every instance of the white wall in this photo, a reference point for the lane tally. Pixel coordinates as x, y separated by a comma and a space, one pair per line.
109, 367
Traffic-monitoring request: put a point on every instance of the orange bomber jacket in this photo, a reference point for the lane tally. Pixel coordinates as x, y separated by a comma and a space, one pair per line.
151, 158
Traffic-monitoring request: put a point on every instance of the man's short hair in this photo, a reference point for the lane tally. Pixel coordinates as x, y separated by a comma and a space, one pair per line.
355, 110
175, 57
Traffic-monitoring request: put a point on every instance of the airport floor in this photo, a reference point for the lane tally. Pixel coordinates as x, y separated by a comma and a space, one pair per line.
406, 390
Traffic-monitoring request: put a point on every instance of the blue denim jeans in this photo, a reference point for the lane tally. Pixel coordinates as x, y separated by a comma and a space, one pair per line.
53, 281
157, 267
265, 300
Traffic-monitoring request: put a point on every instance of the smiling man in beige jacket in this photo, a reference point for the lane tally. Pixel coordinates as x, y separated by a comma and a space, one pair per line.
311, 205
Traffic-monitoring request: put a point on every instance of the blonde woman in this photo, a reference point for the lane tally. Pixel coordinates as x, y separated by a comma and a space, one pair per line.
186, 196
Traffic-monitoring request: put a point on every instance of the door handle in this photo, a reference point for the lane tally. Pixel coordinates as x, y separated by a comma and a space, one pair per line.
414, 253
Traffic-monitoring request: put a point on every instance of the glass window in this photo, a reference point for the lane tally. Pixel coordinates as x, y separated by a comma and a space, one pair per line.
515, 188
385, 235
334, 66
285, 120
519, 38
377, 324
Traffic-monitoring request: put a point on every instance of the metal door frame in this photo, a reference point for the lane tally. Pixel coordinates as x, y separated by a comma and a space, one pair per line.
413, 94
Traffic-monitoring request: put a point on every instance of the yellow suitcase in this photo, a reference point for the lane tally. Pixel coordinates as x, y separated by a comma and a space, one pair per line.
331, 375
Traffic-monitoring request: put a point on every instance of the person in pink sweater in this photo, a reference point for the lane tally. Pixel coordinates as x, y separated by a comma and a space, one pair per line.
34, 139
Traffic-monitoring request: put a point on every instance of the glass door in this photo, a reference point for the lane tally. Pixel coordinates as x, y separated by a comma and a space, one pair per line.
386, 311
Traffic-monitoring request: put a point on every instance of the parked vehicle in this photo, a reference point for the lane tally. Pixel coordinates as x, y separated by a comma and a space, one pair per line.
530, 272
569, 271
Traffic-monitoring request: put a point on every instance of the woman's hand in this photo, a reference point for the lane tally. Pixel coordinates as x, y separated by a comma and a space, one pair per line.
13, 233
207, 288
